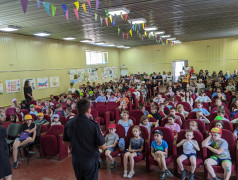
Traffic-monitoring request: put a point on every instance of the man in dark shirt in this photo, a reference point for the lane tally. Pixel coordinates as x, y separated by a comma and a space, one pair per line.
85, 138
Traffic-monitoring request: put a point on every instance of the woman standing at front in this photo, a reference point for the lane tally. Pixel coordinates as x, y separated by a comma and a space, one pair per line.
28, 92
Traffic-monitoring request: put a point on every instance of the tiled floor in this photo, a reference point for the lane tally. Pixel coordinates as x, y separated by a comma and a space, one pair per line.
52, 169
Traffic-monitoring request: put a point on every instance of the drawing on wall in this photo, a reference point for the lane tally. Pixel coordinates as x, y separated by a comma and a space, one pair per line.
32, 82
109, 72
42, 83
54, 81
82, 75
1, 87
13, 86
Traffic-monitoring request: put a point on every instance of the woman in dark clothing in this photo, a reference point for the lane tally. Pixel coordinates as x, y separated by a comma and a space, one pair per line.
28, 91
5, 166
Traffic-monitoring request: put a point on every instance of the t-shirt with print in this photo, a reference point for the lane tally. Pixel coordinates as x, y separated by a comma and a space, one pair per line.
159, 147
111, 138
124, 101
188, 147
136, 143
222, 143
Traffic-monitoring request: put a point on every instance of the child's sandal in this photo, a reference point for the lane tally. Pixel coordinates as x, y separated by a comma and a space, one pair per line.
130, 175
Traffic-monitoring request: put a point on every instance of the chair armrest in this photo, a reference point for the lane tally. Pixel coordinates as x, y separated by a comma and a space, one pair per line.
204, 150
117, 115
147, 148
107, 119
130, 106
174, 150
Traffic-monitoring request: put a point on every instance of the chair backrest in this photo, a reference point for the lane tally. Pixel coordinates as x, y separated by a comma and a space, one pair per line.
44, 128
33, 102
101, 110
47, 117
56, 98
75, 111
214, 109
55, 102
204, 105
34, 116
226, 125
25, 111
165, 121
133, 119
10, 110
99, 104
201, 125
137, 114
181, 116
63, 120
197, 136
186, 106
38, 131
56, 130
192, 115
38, 110
168, 136
13, 130
94, 113
112, 105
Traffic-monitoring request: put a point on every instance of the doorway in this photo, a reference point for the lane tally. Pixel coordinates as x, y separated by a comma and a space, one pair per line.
177, 68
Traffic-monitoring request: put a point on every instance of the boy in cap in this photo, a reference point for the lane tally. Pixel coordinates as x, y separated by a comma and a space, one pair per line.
14, 101
221, 155
55, 120
159, 151
32, 110
41, 119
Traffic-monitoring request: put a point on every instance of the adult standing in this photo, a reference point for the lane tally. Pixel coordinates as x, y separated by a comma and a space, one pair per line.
28, 92
5, 166
85, 138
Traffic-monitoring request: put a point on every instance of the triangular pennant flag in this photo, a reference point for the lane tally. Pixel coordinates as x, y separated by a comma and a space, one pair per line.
115, 17
131, 32
167, 42
53, 9
106, 12
139, 26
97, 4
145, 33
96, 17
122, 16
77, 5
64, 6
118, 31
123, 36
127, 36
143, 25
67, 15
133, 27
137, 33
24, 4
47, 7
110, 18
39, 2
84, 7
106, 20
76, 13
101, 19
113, 24
126, 17
89, 3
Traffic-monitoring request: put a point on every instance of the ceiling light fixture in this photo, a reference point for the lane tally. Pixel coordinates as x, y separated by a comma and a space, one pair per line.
127, 47
177, 42
99, 43
159, 32
120, 46
111, 45
137, 21
9, 28
86, 41
171, 39
69, 38
42, 34
166, 36
151, 28
118, 11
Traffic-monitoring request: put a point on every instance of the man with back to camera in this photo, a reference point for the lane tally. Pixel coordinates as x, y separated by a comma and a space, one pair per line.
85, 138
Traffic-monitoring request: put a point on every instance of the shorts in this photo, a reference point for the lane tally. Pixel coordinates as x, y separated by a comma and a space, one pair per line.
219, 160
189, 155
110, 149
138, 153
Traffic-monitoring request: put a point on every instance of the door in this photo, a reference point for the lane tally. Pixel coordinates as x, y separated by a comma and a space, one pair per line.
124, 72
177, 68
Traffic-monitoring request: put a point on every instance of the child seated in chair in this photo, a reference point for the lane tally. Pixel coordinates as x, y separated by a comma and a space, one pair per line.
219, 124
142, 108
145, 122
111, 140
125, 121
193, 125
201, 117
59, 110
190, 148
155, 113
221, 112
199, 108
123, 102
33, 110
172, 125
41, 119
159, 151
221, 154
136, 147
162, 111
180, 109
55, 120
173, 112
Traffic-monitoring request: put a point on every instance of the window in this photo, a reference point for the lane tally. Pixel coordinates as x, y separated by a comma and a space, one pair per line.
96, 57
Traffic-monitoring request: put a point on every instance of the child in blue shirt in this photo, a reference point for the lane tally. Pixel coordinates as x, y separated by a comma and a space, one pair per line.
159, 151
101, 98
32, 110
199, 108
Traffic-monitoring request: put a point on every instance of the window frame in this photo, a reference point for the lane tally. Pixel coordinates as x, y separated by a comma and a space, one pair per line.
104, 60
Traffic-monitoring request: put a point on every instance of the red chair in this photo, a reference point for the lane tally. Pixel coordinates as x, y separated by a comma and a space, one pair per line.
105, 114
169, 138
63, 120
165, 121
192, 115
38, 110
55, 102
178, 151
75, 111
114, 111
201, 125
25, 111
34, 116
96, 118
19, 116
137, 114
226, 125
47, 117
204, 105
120, 131
33, 102
51, 143
141, 98
10, 110
56, 98
99, 104
186, 106
231, 140
145, 136
181, 116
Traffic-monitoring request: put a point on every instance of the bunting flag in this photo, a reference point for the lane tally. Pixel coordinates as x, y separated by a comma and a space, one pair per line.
84, 7
126, 16
77, 5
67, 15
39, 3
47, 7
131, 32
53, 9
138, 33
101, 19
113, 24
133, 27
110, 18
127, 36
145, 33
123, 36
24, 4
139, 26
64, 6
89, 3
97, 4
106, 20
106, 12
76, 13
167, 42
122, 16
118, 31
143, 25
96, 17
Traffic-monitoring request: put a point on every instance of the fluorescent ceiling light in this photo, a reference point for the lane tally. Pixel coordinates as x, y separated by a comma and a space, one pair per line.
86, 41
137, 21
159, 32
166, 36
111, 45
118, 11
120, 46
69, 38
177, 42
42, 34
151, 28
9, 28
126, 47
171, 39
99, 43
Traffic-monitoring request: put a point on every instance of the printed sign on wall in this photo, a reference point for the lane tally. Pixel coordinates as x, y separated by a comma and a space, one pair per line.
42, 83
54, 81
13, 86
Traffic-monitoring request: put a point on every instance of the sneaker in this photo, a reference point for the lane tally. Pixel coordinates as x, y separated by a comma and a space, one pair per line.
216, 178
191, 176
125, 174
100, 163
183, 174
112, 166
15, 164
131, 174
162, 176
168, 174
